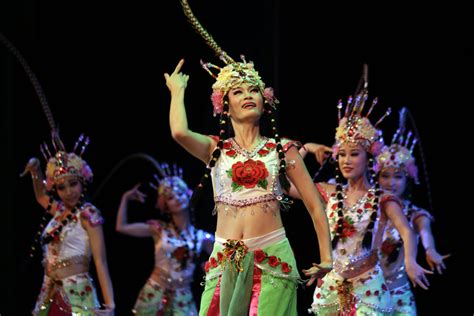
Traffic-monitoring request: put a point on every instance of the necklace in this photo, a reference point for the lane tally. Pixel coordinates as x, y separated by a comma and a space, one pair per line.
56, 231
360, 202
248, 153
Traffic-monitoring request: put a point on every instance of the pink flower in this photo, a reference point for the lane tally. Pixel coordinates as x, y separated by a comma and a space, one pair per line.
268, 94
412, 171
86, 172
216, 98
335, 151
376, 148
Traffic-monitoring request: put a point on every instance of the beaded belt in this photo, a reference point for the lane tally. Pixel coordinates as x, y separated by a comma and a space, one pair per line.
162, 278
356, 267
66, 267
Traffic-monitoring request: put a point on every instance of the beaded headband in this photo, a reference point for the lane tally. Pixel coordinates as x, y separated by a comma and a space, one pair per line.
169, 181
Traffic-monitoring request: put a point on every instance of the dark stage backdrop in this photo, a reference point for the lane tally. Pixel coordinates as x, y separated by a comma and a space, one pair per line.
101, 65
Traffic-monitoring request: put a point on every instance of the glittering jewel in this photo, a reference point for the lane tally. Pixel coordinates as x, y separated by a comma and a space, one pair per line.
249, 153
360, 202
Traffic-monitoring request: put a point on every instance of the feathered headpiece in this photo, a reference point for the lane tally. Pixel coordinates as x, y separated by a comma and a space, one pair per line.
400, 152
356, 128
169, 181
233, 74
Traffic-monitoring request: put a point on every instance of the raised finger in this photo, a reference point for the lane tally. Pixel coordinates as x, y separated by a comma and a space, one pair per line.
178, 66
427, 271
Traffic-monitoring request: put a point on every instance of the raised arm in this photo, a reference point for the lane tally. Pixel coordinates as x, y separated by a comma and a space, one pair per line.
37, 176
415, 272
299, 176
196, 144
433, 258
122, 225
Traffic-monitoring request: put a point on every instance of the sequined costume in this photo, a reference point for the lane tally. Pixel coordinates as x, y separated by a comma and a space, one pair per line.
67, 286
356, 285
168, 289
257, 275
392, 261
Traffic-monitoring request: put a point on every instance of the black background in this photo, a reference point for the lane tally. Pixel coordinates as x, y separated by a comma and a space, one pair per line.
101, 65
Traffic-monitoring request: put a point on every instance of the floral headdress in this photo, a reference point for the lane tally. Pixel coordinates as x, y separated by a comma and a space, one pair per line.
169, 181
400, 152
356, 128
233, 74
230, 76
63, 164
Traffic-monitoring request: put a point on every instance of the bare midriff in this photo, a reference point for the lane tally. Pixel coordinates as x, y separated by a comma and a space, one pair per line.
67, 267
243, 222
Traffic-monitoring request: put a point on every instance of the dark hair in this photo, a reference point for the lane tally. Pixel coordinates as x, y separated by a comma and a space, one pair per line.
223, 134
367, 240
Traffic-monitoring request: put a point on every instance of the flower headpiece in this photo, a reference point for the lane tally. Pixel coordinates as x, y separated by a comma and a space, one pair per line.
356, 128
233, 75
63, 164
400, 152
168, 182
230, 76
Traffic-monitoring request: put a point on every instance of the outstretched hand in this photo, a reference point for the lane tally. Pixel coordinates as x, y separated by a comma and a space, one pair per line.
417, 275
177, 80
135, 194
317, 271
435, 260
320, 152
